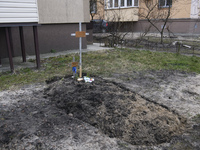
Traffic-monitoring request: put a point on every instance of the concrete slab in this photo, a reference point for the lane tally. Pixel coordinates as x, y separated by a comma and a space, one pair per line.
18, 64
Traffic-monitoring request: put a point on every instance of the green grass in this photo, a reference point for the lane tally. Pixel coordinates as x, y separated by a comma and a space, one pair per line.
103, 63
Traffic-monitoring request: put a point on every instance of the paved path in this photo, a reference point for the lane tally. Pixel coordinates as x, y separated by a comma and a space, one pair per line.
18, 64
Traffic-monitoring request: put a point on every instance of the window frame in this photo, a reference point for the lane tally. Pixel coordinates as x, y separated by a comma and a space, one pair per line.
107, 4
93, 8
165, 6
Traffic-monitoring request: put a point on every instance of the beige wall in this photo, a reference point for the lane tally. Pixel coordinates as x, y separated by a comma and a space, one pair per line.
100, 10
180, 9
63, 11
123, 14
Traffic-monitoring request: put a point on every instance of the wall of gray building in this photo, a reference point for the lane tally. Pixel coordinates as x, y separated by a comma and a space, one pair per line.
63, 11
56, 37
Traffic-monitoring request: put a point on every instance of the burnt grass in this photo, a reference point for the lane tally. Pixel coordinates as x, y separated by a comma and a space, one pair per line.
115, 110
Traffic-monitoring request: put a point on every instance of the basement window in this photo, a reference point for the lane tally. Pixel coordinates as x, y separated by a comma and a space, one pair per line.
121, 3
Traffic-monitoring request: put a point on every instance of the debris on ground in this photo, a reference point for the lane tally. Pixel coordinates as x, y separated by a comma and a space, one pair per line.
87, 79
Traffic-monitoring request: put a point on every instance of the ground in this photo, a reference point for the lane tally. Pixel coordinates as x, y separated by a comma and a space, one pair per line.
139, 110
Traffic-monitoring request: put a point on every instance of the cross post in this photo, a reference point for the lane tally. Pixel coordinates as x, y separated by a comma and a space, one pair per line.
80, 34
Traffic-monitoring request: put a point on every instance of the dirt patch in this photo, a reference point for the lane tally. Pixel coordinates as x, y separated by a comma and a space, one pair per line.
177, 90
116, 111
29, 121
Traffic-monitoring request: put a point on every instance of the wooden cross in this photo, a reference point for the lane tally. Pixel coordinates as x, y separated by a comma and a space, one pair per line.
80, 34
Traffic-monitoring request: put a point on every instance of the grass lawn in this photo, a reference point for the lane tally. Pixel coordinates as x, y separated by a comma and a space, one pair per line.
102, 63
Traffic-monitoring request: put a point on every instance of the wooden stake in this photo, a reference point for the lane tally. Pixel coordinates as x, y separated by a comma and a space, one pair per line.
80, 75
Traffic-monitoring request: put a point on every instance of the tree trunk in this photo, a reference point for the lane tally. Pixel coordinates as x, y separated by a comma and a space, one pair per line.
161, 38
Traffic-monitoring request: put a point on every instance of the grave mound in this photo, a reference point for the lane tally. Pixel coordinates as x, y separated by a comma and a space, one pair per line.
116, 111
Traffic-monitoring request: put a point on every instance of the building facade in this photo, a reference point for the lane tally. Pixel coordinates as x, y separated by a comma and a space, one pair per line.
55, 21
134, 14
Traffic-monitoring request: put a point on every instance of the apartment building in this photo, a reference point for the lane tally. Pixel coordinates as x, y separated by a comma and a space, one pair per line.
44, 24
184, 14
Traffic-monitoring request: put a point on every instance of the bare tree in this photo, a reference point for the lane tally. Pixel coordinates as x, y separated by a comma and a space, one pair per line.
159, 12
116, 36
119, 19
156, 12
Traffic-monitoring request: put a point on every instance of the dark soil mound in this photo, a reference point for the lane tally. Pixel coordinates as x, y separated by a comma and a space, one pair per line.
116, 111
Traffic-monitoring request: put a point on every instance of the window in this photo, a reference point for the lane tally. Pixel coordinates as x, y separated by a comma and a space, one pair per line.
168, 2
129, 2
111, 3
165, 3
121, 3
116, 3
93, 7
136, 3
